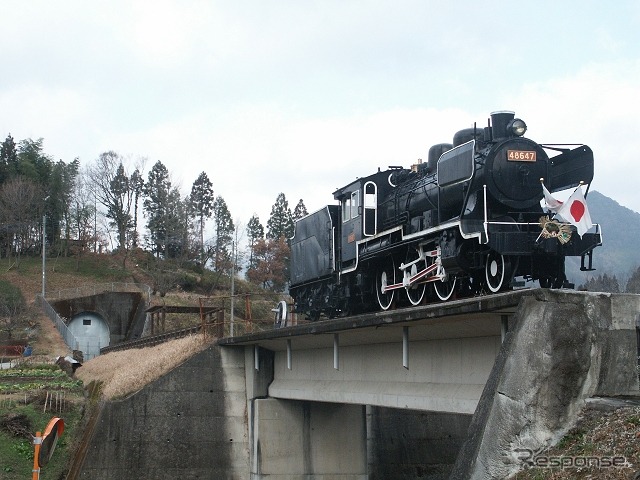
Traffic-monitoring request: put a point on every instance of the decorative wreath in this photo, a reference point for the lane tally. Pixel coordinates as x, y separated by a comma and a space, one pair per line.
555, 229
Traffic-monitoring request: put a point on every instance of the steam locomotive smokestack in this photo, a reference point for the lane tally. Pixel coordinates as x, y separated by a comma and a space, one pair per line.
499, 122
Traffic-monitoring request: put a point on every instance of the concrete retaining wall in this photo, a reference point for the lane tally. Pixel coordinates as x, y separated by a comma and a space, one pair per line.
189, 424
123, 312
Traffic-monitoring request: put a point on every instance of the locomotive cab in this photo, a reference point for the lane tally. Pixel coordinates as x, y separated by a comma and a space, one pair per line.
359, 213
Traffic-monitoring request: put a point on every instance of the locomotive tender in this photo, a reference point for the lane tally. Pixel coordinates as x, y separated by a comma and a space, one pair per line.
466, 222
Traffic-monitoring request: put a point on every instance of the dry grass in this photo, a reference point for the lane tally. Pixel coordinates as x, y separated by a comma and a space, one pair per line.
125, 372
597, 435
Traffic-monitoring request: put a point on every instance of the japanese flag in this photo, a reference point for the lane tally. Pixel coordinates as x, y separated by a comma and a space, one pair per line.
552, 203
575, 211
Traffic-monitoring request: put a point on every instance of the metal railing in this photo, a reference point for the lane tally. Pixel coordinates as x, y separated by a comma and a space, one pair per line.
157, 339
88, 290
69, 338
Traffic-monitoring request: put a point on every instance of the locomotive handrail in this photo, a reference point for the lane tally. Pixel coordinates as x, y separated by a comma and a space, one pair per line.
486, 216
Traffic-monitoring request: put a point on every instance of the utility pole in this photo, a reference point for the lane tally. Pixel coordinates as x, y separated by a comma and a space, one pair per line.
233, 274
44, 242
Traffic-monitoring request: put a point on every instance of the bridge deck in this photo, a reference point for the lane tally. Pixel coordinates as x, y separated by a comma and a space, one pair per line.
470, 317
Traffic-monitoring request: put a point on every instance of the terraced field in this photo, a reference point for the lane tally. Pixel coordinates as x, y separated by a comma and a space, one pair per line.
30, 395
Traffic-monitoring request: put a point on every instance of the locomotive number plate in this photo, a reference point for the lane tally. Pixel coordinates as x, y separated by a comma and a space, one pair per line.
521, 155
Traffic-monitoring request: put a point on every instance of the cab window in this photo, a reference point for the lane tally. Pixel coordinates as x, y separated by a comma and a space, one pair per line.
346, 209
354, 204
350, 206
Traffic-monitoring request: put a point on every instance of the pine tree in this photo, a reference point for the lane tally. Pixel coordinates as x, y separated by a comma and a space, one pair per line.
280, 223
62, 185
8, 159
255, 232
602, 283
178, 224
156, 207
201, 200
223, 235
33, 162
300, 211
633, 284
136, 183
120, 210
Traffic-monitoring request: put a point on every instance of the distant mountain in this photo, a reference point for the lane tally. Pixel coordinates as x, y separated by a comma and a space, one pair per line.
619, 254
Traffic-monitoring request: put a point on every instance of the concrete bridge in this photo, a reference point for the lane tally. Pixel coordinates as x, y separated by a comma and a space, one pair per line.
433, 358
447, 390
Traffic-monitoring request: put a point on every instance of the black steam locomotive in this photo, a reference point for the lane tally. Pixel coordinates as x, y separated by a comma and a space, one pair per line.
467, 222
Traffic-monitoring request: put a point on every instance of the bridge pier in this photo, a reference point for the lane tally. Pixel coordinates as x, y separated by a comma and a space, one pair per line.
296, 439
412, 444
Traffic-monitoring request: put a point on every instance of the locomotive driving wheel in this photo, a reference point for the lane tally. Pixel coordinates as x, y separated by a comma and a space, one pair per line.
415, 292
444, 289
497, 271
385, 276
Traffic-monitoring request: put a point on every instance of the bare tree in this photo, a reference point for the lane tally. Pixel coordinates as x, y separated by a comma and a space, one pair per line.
12, 309
112, 188
271, 264
21, 207
82, 219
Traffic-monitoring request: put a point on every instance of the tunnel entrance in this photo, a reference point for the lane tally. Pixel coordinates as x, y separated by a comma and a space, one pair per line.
91, 331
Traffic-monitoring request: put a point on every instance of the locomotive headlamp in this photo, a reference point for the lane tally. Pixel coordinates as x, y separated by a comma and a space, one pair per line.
517, 127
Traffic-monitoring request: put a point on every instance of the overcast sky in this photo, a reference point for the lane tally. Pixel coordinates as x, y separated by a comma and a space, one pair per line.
302, 97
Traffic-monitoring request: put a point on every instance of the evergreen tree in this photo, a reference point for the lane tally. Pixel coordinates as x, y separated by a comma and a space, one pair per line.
136, 183
201, 200
633, 284
62, 186
300, 211
223, 235
8, 159
120, 211
255, 232
602, 283
280, 223
178, 224
156, 207
33, 163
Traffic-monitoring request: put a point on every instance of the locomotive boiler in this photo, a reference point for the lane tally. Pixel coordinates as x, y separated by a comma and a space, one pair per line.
469, 221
